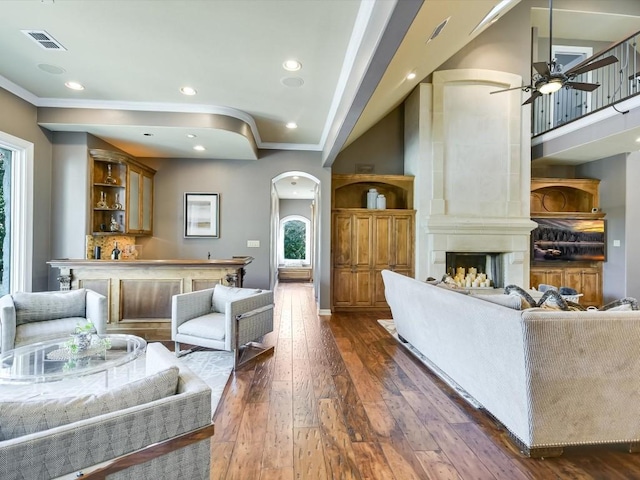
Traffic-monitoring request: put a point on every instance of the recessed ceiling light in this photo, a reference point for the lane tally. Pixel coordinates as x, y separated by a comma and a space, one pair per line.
292, 65
411, 76
191, 135
74, 85
199, 148
292, 125
188, 91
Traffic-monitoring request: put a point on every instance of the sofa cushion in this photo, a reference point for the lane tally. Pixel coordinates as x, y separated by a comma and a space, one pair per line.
211, 326
509, 301
33, 332
223, 294
26, 417
39, 306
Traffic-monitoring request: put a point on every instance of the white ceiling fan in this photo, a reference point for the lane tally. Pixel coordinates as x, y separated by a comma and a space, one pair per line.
549, 76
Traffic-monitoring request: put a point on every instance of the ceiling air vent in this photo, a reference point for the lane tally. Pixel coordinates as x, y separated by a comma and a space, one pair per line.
43, 39
438, 29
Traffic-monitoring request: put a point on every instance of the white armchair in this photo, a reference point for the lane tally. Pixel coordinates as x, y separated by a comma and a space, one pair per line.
32, 317
223, 318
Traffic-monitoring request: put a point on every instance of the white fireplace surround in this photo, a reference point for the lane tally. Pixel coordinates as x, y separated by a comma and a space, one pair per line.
470, 154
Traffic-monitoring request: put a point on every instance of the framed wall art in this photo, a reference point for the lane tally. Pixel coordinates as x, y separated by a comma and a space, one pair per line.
201, 215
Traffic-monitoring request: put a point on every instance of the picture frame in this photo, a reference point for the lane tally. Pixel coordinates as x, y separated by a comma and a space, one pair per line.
568, 239
201, 215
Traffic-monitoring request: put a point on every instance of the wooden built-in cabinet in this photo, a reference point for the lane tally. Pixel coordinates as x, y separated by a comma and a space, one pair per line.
568, 198
367, 241
121, 193
584, 278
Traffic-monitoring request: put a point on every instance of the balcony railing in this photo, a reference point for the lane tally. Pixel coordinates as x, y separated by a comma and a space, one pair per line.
618, 81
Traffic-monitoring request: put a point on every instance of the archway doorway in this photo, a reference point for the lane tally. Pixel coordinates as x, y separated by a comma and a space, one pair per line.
294, 227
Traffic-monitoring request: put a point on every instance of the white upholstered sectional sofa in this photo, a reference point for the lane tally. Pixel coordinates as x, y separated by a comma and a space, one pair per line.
552, 378
125, 432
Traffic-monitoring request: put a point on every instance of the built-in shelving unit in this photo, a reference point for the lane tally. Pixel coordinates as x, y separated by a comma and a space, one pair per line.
366, 241
121, 195
568, 198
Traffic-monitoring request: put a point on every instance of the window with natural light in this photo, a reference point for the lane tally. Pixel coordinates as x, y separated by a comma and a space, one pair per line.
294, 241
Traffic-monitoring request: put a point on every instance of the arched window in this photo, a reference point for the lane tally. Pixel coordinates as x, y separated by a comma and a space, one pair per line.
294, 247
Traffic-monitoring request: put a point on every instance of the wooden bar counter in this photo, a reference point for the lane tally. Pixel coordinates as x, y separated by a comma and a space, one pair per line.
139, 291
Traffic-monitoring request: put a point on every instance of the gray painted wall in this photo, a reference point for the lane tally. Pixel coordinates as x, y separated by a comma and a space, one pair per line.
291, 206
18, 118
612, 173
245, 210
382, 147
632, 225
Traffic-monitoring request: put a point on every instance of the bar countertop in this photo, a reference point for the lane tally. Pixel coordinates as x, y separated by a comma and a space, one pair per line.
230, 262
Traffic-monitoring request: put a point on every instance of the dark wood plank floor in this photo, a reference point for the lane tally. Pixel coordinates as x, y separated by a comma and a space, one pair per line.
341, 399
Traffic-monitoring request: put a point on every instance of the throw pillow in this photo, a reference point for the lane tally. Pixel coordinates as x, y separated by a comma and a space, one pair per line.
526, 299
39, 306
623, 304
552, 300
223, 294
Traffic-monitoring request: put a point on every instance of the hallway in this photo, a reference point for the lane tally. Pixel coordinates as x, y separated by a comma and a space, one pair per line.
340, 399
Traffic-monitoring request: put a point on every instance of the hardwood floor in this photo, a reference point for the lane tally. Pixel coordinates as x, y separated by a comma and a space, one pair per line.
341, 399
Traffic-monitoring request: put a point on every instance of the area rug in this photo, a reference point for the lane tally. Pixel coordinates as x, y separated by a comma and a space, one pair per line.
390, 327
212, 366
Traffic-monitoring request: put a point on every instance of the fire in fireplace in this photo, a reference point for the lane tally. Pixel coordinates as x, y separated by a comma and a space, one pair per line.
475, 269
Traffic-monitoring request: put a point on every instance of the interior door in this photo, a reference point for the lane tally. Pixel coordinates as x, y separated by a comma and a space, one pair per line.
568, 103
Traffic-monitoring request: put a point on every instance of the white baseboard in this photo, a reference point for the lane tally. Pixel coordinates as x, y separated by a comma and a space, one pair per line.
324, 311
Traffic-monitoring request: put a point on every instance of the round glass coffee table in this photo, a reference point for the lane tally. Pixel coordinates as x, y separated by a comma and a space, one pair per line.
57, 359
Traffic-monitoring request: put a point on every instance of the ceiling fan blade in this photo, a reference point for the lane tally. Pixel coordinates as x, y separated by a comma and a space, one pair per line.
542, 68
533, 96
585, 87
526, 88
603, 62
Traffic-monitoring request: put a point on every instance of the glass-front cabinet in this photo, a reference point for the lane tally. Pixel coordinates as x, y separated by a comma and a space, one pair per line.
121, 195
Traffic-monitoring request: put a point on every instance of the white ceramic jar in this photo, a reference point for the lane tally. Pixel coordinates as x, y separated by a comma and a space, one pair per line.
372, 196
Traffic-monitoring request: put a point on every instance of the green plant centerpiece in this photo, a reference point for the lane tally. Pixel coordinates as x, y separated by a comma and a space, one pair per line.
85, 339
81, 337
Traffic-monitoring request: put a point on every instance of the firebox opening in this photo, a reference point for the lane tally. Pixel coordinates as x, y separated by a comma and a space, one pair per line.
475, 269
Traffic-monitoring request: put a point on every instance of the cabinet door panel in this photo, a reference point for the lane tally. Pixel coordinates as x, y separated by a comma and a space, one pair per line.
362, 240
382, 241
573, 279
591, 288
363, 288
133, 201
342, 287
403, 233
537, 277
147, 204
342, 240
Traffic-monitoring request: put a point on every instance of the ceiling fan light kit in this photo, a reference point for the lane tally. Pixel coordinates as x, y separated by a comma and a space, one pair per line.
549, 86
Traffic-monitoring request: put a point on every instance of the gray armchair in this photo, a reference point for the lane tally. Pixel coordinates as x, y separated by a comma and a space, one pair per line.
223, 318
35, 317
